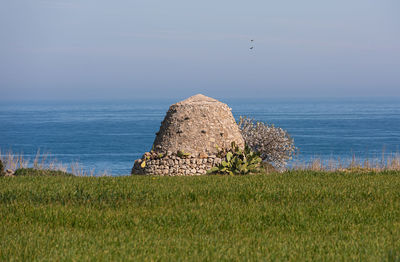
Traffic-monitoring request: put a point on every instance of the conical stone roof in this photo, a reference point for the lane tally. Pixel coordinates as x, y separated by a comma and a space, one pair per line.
198, 125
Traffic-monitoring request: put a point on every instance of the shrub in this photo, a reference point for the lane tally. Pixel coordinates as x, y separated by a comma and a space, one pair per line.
1, 168
272, 143
238, 162
40, 172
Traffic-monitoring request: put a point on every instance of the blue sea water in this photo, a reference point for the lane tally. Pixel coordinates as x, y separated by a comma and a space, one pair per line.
109, 136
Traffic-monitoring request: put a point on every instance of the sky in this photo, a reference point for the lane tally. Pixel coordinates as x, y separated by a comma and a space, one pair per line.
126, 49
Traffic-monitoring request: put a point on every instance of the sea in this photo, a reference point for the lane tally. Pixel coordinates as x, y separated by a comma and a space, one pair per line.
107, 136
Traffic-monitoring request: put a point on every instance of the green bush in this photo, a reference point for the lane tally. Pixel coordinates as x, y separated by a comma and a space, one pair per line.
238, 162
40, 172
2, 173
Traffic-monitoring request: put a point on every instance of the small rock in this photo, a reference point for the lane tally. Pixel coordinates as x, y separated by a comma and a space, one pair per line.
203, 155
9, 172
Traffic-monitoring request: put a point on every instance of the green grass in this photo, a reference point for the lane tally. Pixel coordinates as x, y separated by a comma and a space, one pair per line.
294, 216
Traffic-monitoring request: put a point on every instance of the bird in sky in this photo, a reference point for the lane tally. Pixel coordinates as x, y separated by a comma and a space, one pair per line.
252, 47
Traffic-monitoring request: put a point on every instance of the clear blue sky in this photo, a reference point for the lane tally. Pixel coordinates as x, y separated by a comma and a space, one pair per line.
97, 49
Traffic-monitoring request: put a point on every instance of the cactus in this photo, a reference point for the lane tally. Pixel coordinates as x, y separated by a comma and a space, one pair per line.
238, 162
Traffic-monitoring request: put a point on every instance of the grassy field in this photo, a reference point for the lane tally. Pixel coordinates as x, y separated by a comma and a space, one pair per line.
294, 216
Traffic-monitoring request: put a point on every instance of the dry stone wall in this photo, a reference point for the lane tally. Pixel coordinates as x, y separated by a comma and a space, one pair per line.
174, 165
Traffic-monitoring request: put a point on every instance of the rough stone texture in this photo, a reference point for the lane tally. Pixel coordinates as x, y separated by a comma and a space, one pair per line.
198, 127
174, 165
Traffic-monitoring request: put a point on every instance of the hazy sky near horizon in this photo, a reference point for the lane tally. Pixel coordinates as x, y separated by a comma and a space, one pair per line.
97, 49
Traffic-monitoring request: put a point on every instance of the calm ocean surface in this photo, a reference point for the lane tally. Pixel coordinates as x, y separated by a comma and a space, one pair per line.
109, 136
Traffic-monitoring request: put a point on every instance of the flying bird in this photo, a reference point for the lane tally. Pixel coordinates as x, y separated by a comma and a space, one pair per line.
252, 47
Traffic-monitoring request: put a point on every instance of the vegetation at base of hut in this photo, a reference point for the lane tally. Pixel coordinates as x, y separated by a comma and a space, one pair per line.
238, 162
267, 168
182, 154
289, 216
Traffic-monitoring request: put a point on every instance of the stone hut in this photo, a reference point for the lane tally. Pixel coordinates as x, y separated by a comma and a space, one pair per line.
190, 137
